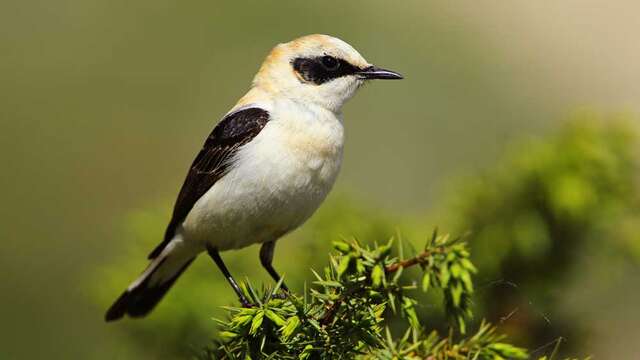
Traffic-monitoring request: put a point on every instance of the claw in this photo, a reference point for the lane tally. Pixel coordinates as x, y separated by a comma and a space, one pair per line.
247, 305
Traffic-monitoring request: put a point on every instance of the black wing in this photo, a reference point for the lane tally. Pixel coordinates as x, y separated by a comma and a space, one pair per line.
235, 130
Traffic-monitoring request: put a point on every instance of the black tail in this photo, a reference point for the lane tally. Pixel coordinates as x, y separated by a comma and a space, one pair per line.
145, 293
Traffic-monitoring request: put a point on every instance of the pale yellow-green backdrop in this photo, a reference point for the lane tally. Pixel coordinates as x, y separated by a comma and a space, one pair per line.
103, 104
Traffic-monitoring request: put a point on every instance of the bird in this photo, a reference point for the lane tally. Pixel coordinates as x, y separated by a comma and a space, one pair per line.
265, 168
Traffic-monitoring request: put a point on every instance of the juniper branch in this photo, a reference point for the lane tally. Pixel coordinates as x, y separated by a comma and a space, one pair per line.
346, 318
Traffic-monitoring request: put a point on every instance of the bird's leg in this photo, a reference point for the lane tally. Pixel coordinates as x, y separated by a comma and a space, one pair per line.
266, 258
218, 260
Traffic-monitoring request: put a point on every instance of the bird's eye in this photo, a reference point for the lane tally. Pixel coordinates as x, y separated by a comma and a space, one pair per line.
330, 62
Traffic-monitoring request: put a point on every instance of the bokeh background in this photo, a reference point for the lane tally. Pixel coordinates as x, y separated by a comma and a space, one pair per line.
517, 121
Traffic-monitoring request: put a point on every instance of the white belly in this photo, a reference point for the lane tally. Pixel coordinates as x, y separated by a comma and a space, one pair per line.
277, 182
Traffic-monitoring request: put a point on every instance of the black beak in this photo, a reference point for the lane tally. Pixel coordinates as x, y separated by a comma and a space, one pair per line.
374, 72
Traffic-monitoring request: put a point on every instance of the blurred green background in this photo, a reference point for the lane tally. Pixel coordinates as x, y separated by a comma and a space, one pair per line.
103, 105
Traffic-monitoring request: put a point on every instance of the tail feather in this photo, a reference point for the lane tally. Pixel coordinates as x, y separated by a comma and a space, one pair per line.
146, 291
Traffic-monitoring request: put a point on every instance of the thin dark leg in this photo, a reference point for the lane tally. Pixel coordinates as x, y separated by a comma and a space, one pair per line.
218, 260
266, 258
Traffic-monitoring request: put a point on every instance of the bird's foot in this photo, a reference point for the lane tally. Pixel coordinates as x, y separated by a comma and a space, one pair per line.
246, 304
281, 295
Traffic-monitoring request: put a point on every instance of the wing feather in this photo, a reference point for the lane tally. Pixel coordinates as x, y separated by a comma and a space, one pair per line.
212, 162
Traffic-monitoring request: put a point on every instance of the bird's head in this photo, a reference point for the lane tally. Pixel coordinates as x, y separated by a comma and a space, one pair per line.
319, 69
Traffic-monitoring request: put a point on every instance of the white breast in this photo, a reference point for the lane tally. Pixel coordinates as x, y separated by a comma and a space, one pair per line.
277, 181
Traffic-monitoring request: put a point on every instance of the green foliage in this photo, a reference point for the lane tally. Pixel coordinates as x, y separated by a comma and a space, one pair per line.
539, 212
484, 344
547, 195
345, 315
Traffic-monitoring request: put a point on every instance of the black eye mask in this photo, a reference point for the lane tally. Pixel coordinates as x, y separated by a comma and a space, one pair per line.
321, 69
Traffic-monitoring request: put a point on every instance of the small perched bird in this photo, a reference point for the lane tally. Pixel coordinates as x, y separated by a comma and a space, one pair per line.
264, 169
